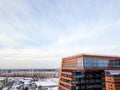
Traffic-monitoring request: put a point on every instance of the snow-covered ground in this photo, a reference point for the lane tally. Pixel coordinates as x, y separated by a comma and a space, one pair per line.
5, 88
54, 88
49, 84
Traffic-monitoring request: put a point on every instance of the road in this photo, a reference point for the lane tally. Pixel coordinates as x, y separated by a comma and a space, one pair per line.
7, 85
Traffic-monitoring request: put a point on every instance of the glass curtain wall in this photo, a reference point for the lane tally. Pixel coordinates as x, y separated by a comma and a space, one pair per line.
98, 62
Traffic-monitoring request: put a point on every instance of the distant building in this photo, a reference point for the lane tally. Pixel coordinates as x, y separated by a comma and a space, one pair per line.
112, 79
86, 72
37, 73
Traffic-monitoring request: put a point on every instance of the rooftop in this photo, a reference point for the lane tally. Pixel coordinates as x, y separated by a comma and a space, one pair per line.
92, 55
112, 72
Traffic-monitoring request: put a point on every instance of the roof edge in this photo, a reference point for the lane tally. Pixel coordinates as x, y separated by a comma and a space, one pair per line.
91, 55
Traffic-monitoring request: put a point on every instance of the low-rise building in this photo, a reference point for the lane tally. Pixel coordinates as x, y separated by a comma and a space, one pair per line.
112, 79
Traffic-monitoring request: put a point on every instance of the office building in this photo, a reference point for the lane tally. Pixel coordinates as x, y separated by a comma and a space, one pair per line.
86, 72
112, 79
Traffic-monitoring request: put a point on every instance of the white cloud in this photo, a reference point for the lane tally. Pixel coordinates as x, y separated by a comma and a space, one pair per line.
25, 26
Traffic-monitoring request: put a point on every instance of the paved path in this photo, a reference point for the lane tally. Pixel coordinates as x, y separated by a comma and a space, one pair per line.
8, 85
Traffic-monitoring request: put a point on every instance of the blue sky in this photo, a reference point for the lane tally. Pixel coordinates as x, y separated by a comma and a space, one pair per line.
38, 33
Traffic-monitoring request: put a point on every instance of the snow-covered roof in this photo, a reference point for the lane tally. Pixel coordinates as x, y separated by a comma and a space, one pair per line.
2, 78
46, 82
113, 72
26, 81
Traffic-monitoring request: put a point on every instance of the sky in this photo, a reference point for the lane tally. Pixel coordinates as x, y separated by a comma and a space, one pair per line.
39, 33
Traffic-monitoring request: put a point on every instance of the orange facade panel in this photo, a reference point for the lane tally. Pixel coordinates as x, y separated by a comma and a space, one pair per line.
72, 68
63, 87
101, 56
82, 68
69, 63
69, 84
69, 73
67, 78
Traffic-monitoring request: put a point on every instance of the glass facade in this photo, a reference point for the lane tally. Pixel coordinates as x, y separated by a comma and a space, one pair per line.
96, 62
84, 80
88, 62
